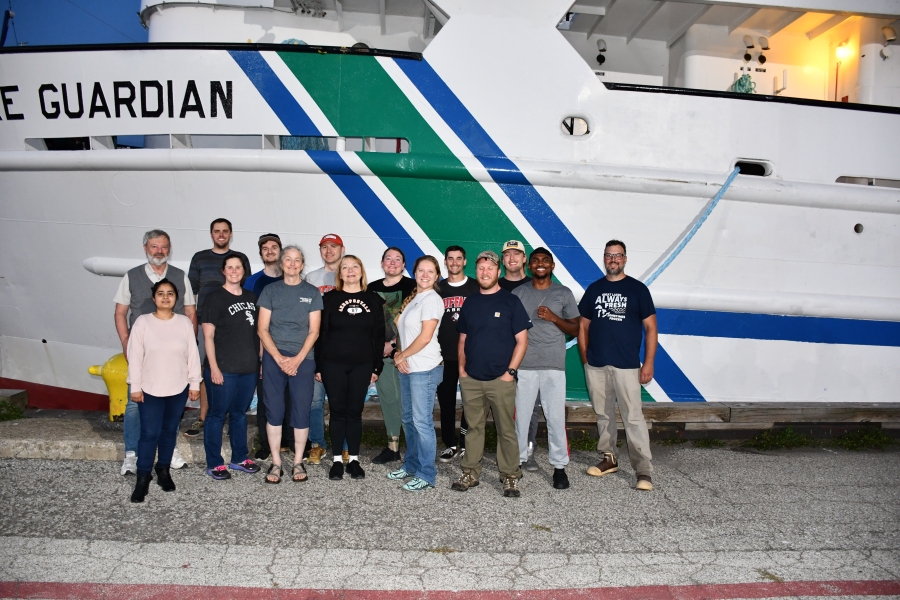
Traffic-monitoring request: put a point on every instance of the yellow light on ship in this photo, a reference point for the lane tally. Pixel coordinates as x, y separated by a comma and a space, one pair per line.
843, 51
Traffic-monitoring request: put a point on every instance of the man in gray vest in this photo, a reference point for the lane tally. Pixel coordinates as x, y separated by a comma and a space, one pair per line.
134, 299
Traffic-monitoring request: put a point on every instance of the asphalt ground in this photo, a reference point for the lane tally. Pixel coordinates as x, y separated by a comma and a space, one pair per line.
720, 523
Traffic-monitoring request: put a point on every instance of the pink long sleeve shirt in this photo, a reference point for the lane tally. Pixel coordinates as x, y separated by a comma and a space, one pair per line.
163, 356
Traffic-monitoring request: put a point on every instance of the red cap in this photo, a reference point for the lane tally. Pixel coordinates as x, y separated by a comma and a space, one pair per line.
331, 237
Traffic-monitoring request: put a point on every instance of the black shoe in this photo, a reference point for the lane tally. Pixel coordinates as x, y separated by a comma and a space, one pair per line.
262, 454
164, 479
355, 469
387, 455
141, 488
560, 479
337, 471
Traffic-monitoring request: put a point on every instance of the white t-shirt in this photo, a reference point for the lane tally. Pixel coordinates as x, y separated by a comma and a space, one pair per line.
424, 307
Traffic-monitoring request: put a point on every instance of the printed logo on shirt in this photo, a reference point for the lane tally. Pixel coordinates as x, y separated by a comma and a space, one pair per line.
353, 306
305, 300
496, 314
452, 305
239, 306
611, 306
250, 317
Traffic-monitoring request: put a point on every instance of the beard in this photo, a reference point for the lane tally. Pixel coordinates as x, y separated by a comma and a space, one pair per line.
487, 285
614, 271
156, 261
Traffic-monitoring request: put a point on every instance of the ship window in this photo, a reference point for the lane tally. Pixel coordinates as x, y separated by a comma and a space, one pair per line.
575, 126
53, 144
871, 181
754, 168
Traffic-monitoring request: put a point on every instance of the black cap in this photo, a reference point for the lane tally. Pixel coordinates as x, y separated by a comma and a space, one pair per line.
539, 250
269, 237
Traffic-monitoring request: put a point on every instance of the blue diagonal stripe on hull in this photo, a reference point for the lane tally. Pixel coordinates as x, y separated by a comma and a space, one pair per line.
297, 122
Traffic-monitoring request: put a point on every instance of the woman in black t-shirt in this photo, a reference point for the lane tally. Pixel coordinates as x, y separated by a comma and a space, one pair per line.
232, 367
349, 358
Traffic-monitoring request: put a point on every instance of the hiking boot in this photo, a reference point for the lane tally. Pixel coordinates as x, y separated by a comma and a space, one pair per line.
416, 485
605, 466
464, 483
177, 461
195, 429
644, 483
141, 487
511, 487
247, 466
449, 454
387, 455
164, 479
315, 454
355, 470
219, 473
130, 464
560, 479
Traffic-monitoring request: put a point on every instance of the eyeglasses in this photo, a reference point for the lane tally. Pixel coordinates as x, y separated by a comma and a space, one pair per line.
613, 256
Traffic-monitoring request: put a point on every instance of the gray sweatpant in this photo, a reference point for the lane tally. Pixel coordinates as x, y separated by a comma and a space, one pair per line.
552, 387
606, 386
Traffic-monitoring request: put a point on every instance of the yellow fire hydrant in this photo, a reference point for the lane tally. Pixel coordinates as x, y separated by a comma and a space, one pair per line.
114, 373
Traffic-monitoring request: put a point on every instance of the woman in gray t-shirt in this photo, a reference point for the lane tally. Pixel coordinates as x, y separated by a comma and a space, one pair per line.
289, 315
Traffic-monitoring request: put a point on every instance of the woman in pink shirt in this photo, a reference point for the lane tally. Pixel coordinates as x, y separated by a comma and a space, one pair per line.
164, 371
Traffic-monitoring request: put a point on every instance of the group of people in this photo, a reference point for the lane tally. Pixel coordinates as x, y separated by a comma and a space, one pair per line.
298, 339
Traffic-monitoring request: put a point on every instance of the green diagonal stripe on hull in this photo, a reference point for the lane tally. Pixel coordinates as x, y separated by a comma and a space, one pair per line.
360, 99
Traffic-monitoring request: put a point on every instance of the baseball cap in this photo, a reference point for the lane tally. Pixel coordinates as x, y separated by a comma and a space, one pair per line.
513, 245
333, 238
490, 255
269, 237
540, 250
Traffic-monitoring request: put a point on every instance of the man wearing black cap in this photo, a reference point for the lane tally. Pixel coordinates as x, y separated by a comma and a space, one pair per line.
493, 337
554, 313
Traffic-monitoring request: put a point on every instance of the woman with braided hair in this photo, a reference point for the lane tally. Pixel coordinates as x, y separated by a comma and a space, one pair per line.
421, 369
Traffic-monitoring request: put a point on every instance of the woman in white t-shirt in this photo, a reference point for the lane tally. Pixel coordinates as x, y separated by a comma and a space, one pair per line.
421, 369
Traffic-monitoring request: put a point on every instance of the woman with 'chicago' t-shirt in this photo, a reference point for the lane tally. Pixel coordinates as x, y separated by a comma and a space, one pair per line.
421, 369
232, 368
349, 358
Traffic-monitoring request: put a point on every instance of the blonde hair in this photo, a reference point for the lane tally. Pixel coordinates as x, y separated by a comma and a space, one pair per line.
339, 282
437, 270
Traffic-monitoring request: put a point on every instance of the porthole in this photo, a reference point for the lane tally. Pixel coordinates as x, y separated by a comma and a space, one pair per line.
858, 228
575, 126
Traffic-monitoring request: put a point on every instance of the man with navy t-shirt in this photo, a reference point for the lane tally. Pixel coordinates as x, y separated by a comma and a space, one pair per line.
493, 337
615, 311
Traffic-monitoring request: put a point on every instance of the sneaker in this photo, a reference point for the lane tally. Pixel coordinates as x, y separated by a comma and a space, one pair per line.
345, 457
464, 483
219, 473
605, 466
399, 474
511, 487
130, 464
355, 470
644, 483
337, 471
560, 479
262, 454
530, 464
416, 485
195, 429
315, 454
448, 454
387, 455
247, 466
177, 461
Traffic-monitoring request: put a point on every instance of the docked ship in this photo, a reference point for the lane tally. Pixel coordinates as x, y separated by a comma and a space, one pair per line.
745, 152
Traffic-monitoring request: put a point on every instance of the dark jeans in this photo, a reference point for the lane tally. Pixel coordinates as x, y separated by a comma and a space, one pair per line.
287, 432
446, 393
160, 417
233, 397
346, 387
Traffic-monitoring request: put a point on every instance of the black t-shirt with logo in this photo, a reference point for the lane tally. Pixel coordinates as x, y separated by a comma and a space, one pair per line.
454, 297
236, 340
616, 310
352, 330
491, 322
393, 296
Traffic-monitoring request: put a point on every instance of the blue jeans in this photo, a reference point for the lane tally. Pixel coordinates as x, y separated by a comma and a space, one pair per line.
160, 417
131, 424
317, 416
417, 392
233, 397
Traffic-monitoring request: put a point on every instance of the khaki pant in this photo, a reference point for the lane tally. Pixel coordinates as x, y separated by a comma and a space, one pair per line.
500, 397
606, 386
388, 387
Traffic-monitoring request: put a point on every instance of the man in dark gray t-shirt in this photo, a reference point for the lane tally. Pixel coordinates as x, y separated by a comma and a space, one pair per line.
554, 313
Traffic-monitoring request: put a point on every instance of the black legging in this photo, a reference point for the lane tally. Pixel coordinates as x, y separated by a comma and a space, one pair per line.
446, 393
346, 387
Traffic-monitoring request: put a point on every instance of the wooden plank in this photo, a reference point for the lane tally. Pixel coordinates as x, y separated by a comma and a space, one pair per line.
815, 412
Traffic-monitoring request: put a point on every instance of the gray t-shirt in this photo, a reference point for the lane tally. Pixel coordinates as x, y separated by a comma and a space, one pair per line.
546, 343
322, 279
290, 306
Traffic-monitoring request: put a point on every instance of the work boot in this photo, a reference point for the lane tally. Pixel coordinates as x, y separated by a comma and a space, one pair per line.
464, 483
605, 466
511, 487
644, 483
141, 487
164, 479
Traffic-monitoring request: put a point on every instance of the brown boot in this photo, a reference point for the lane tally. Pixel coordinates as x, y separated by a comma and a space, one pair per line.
605, 466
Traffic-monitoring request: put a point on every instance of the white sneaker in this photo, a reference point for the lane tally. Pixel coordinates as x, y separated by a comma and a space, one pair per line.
130, 464
177, 460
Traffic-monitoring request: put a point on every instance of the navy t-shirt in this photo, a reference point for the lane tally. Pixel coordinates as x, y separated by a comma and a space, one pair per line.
257, 282
491, 322
616, 310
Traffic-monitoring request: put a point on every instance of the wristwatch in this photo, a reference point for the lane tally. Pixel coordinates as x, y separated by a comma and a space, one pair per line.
513, 372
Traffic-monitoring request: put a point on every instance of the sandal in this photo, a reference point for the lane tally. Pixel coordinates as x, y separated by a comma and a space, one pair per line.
271, 473
299, 469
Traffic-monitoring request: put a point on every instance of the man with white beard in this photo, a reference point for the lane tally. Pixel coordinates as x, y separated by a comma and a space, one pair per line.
135, 297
